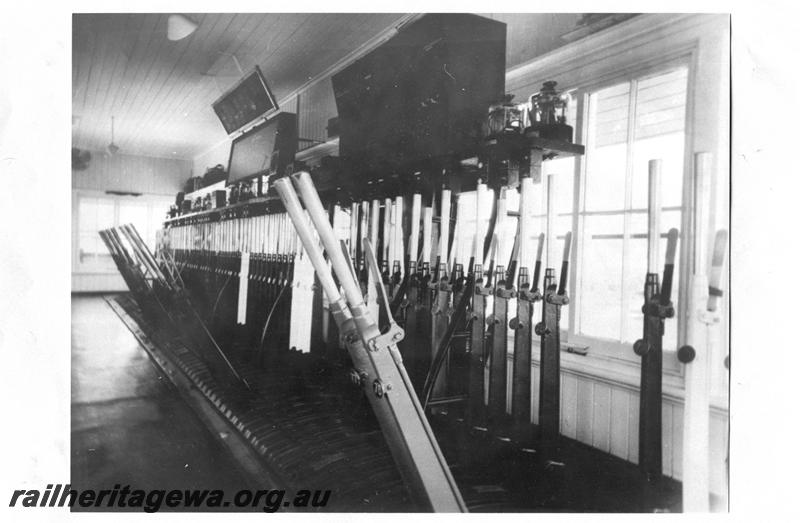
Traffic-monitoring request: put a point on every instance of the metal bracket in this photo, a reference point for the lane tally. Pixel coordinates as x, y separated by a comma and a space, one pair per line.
529, 295
540, 329
482, 290
394, 335
441, 303
655, 308
557, 299
505, 293
708, 317
381, 389
358, 377
516, 324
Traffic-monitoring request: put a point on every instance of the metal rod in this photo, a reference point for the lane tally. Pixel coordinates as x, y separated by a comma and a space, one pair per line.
451, 259
387, 230
444, 226
353, 243
653, 215
496, 244
413, 240
525, 217
480, 234
427, 232
374, 217
552, 240
398, 233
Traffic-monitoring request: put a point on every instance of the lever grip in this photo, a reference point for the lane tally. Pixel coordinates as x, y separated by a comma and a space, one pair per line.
537, 267
669, 267
562, 284
715, 275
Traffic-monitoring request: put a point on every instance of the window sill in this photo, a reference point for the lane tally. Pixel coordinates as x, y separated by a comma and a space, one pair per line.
619, 373
94, 272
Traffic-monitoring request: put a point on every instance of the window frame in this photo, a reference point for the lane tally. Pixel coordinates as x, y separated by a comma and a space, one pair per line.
629, 48
78, 265
604, 348
152, 203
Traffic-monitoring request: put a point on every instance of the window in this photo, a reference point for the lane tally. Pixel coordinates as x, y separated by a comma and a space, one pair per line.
624, 126
96, 212
135, 213
627, 125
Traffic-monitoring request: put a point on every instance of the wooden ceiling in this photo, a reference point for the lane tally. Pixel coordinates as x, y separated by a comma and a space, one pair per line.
160, 92
529, 35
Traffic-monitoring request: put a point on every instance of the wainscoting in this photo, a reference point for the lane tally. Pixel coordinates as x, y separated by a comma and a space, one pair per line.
98, 282
605, 415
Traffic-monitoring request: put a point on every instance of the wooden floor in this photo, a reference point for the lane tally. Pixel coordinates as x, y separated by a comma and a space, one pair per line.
129, 425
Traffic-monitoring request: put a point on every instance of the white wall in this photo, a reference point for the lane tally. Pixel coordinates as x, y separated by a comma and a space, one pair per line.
123, 172
218, 154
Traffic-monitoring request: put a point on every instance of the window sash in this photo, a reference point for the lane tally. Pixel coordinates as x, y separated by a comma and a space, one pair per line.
618, 349
89, 252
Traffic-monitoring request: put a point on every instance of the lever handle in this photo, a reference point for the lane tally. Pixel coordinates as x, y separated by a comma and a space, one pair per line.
669, 267
562, 284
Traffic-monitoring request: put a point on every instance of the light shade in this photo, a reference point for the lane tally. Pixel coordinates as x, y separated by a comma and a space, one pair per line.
179, 27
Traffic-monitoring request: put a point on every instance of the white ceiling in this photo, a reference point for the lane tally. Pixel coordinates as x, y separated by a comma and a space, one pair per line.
160, 92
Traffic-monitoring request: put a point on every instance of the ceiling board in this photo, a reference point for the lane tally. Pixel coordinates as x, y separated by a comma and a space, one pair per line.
160, 92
